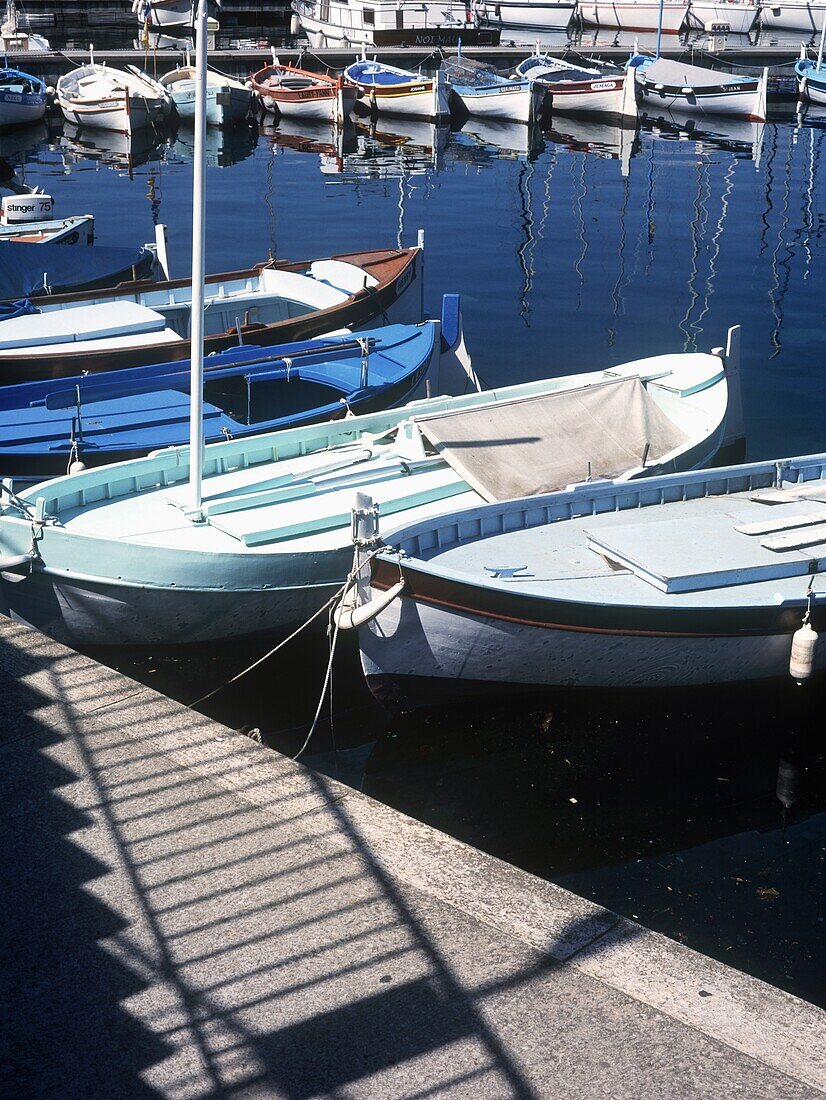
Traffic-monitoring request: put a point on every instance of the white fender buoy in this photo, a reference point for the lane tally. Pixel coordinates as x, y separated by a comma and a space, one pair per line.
77, 467
295, 24
349, 618
802, 658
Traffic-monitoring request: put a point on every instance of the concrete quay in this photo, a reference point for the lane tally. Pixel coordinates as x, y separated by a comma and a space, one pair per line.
187, 914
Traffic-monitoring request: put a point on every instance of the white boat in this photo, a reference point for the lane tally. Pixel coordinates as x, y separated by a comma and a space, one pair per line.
228, 100
299, 93
680, 581
634, 15
120, 557
391, 23
168, 15
724, 16
541, 15
582, 89
14, 40
111, 99
23, 98
30, 217
484, 93
675, 86
792, 15
387, 89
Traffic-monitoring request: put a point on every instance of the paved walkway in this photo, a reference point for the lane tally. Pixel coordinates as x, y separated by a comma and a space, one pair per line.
187, 914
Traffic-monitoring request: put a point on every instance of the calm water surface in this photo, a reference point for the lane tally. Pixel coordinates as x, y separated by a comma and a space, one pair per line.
571, 250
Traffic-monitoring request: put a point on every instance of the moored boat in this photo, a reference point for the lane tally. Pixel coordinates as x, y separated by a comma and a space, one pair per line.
23, 98
113, 416
298, 93
427, 24
15, 40
683, 580
484, 93
273, 303
676, 86
542, 15
29, 218
792, 15
724, 16
582, 89
120, 558
811, 75
386, 89
228, 100
111, 99
634, 15
28, 269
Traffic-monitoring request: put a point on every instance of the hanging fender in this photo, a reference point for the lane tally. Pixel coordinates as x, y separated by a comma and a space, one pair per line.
349, 617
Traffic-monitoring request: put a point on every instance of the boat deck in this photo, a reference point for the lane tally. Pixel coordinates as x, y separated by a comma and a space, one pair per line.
746, 549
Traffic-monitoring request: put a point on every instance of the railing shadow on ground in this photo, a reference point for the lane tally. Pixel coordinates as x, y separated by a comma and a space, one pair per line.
173, 937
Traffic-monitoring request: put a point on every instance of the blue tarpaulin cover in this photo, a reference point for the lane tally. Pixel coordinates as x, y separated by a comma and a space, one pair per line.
29, 269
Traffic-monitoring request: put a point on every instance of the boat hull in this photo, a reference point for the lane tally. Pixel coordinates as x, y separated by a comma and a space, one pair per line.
723, 100
739, 18
633, 16
166, 14
398, 296
123, 114
79, 229
519, 104
321, 34
792, 16
538, 16
21, 109
428, 99
811, 83
316, 105
605, 95
225, 105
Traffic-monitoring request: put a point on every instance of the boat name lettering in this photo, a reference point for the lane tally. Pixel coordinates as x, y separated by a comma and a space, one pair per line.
10, 97
403, 281
604, 86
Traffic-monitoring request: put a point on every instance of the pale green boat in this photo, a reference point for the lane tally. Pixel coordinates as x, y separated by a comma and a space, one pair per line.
114, 555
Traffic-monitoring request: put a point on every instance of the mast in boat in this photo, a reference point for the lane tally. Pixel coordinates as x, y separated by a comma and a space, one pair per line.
196, 384
820, 49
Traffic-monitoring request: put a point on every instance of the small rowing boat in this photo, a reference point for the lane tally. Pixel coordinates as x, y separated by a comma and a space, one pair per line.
811, 75
23, 98
484, 93
298, 93
111, 99
677, 86
581, 89
386, 89
228, 100
679, 581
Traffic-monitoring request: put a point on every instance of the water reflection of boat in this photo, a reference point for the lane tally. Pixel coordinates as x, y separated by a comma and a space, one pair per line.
410, 148
19, 141
222, 146
322, 139
506, 138
603, 139
122, 151
734, 134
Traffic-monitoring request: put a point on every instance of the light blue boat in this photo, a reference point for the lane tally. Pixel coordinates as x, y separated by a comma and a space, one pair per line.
700, 578
119, 555
485, 93
811, 75
23, 98
228, 100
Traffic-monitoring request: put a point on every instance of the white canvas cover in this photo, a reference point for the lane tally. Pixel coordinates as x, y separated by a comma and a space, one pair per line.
538, 444
678, 73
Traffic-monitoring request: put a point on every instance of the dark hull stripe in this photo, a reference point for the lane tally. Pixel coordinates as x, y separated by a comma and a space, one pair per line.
523, 610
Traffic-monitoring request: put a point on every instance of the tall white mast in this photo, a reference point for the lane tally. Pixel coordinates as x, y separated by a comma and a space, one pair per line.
196, 398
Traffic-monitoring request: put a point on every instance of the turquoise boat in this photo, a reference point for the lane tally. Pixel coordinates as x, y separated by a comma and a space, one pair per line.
120, 555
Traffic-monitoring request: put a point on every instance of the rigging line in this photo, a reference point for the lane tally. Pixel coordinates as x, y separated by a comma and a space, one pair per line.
526, 223
769, 207
580, 194
781, 285
696, 222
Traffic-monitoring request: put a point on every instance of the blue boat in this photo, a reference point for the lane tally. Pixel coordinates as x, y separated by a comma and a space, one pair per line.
111, 416
30, 269
23, 98
387, 89
811, 75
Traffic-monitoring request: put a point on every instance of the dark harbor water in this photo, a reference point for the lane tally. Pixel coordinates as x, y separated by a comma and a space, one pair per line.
572, 250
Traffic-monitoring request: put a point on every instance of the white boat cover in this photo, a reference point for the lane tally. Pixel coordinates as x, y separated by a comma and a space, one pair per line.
678, 73
538, 444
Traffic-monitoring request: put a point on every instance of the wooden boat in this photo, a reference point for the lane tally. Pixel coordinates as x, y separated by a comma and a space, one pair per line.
121, 559
76, 229
297, 93
580, 89
634, 15
792, 15
484, 93
272, 303
541, 15
113, 416
676, 86
228, 100
811, 75
726, 16
167, 15
111, 99
427, 24
387, 89
23, 98
678, 581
